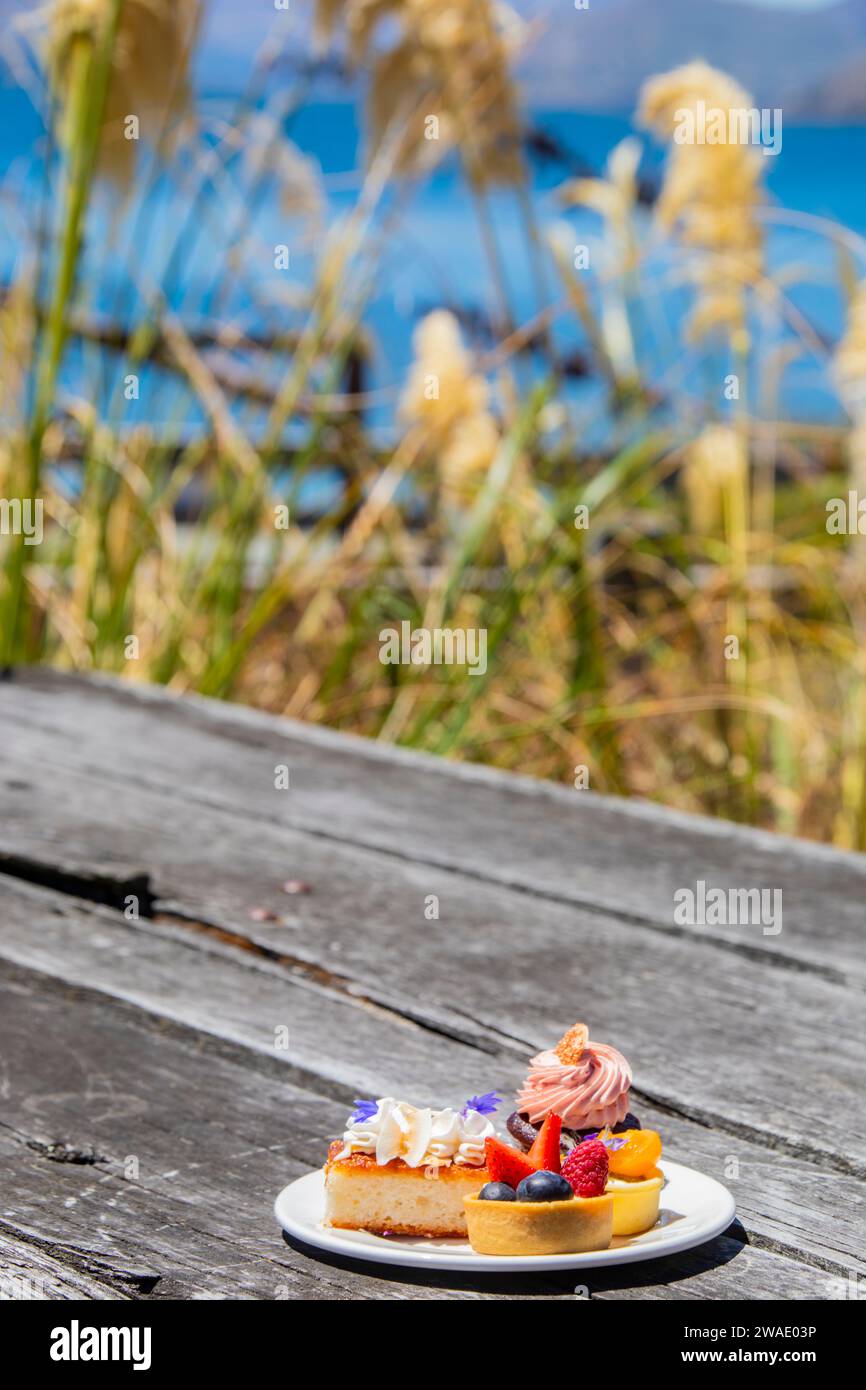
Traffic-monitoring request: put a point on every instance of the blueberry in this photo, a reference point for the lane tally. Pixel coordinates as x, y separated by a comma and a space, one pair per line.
544, 1187
497, 1192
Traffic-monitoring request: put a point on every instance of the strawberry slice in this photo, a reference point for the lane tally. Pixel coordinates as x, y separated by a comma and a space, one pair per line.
505, 1163
544, 1153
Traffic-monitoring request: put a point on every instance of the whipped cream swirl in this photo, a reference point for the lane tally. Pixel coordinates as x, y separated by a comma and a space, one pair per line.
421, 1138
588, 1093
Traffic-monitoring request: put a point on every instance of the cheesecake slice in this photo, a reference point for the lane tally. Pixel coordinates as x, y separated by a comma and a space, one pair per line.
394, 1199
404, 1171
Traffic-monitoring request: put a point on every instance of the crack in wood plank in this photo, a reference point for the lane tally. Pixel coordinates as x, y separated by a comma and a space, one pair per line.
317, 974
768, 1139
744, 950
92, 887
495, 1044
774, 1246
504, 1045
240, 728
166, 1025
113, 891
126, 1281
56, 1151
32, 1274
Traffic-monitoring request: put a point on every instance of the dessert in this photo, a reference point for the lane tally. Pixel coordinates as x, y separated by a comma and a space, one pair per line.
582, 1170
586, 1086
539, 1228
586, 1083
635, 1182
400, 1170
635, 1203
543, 1214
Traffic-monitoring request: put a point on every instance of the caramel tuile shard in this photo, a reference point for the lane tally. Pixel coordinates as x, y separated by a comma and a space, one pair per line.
570, 1047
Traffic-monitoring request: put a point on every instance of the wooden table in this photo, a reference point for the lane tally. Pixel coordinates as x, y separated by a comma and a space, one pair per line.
150, 1111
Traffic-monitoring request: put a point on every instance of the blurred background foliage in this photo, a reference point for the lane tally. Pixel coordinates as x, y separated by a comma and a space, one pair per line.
595, 457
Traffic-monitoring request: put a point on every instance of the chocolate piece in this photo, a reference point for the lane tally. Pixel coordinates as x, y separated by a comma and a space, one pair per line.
520, 1129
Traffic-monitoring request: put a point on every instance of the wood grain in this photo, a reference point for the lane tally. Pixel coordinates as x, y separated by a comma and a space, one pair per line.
28, 1273
627, 857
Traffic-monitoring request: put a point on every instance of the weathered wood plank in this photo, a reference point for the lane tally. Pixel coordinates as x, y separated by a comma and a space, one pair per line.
28, 1273
624, 857
225, 996
767, 1276
204, 985
364, 925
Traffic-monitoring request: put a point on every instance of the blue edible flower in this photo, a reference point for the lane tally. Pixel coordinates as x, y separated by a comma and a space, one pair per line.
364, 1110
487, 1104
612, 1142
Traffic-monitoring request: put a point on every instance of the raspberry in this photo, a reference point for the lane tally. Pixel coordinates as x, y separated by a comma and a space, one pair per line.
586, 1168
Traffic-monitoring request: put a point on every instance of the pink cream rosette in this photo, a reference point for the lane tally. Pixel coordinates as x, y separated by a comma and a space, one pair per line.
586, 1083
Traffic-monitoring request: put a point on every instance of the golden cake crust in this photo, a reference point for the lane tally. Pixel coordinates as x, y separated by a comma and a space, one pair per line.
400, 1228
357, 1162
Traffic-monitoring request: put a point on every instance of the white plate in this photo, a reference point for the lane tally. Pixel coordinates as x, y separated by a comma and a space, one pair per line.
694, 1208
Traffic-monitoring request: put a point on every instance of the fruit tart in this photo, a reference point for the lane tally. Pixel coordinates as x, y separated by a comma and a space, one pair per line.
634, 1180
529, 1207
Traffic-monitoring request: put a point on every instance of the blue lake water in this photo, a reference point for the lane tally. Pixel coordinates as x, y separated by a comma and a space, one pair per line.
433, 254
